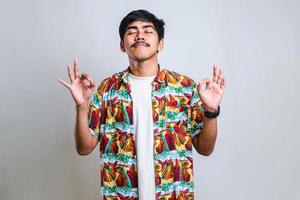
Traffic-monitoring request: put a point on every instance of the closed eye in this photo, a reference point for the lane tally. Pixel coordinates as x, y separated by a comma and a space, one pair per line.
130, 33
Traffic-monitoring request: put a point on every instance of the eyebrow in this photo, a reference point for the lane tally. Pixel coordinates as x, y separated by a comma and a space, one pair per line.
143, 27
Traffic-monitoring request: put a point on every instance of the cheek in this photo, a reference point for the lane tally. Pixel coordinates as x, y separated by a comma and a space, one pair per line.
128, 42
154, 41
125, 46
155, 44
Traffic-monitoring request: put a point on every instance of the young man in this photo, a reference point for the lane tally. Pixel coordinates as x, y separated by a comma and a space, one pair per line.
145, 118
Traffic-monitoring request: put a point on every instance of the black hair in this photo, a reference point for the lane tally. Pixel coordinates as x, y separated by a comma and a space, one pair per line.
142, 15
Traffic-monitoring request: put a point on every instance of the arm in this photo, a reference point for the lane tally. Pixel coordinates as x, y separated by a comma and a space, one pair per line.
211, 97
204, 142
85, 143
81, 88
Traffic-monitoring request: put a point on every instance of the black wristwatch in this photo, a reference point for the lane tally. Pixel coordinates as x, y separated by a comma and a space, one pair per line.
212, 114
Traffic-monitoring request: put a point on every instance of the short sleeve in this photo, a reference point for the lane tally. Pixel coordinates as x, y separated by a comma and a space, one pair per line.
95, 113
196, 121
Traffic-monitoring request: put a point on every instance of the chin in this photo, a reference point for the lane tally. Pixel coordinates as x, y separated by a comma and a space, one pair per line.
143, 57
140, 57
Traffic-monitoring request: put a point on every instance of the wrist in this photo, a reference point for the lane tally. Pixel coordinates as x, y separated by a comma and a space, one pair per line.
212, 113
210, 109
82, 106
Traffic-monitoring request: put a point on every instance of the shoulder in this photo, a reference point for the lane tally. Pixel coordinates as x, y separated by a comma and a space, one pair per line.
108, 82
173, 77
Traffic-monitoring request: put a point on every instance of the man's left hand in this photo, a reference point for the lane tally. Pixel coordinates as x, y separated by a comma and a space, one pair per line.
212, 93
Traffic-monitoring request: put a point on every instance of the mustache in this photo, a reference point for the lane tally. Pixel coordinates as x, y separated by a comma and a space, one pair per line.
137, 43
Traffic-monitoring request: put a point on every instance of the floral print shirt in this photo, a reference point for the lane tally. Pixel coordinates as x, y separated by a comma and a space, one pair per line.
177, 117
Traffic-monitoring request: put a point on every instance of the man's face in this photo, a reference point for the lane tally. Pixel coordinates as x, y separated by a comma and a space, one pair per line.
141, 41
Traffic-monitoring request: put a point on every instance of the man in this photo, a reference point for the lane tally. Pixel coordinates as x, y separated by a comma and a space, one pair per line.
145, 118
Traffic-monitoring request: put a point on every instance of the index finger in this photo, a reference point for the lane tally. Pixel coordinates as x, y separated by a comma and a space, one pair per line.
85, 76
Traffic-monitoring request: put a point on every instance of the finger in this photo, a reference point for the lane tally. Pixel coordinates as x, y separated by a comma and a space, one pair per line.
220, 77
92, 83
223, 83
207, 82
76, 70
86, 83
215, 73
67, 85
71, 74
85, 77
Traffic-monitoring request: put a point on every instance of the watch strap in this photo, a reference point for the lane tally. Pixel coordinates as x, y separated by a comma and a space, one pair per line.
212, 114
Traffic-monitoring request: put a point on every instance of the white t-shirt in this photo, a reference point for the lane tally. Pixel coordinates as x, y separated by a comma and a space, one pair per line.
141, 89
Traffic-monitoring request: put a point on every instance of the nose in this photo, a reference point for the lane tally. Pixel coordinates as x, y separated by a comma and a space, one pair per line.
139, 37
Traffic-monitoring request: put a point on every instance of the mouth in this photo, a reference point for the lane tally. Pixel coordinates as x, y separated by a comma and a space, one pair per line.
137, 44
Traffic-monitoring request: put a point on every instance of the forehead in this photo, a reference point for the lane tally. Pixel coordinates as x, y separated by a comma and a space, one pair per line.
140, 24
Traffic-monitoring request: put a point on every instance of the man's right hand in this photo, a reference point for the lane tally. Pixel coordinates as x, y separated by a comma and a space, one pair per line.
80, 86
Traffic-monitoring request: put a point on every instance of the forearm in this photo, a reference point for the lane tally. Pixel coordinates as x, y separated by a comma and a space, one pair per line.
205, 141
82, 132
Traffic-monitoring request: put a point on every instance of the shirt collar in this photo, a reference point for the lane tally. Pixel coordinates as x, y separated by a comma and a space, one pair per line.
160, 76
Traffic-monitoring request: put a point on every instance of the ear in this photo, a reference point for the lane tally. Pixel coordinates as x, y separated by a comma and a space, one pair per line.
122, 46
160, 45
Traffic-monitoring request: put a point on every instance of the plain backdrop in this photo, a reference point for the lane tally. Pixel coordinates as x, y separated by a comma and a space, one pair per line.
256, 42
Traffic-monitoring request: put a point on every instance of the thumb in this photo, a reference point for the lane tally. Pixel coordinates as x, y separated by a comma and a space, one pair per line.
199, 87
205, 81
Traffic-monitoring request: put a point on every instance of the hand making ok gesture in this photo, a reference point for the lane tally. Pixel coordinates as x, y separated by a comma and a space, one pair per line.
80, 86
212, 94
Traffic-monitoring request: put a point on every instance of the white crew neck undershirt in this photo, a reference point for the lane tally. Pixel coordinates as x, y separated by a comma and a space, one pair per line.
141, 89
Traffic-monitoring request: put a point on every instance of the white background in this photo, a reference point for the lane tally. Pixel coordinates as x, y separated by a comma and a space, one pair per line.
256, 42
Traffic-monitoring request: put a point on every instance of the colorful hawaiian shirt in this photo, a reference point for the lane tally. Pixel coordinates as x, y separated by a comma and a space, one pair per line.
177, 117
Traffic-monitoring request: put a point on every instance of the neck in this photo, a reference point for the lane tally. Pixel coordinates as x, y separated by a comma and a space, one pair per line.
144, 68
